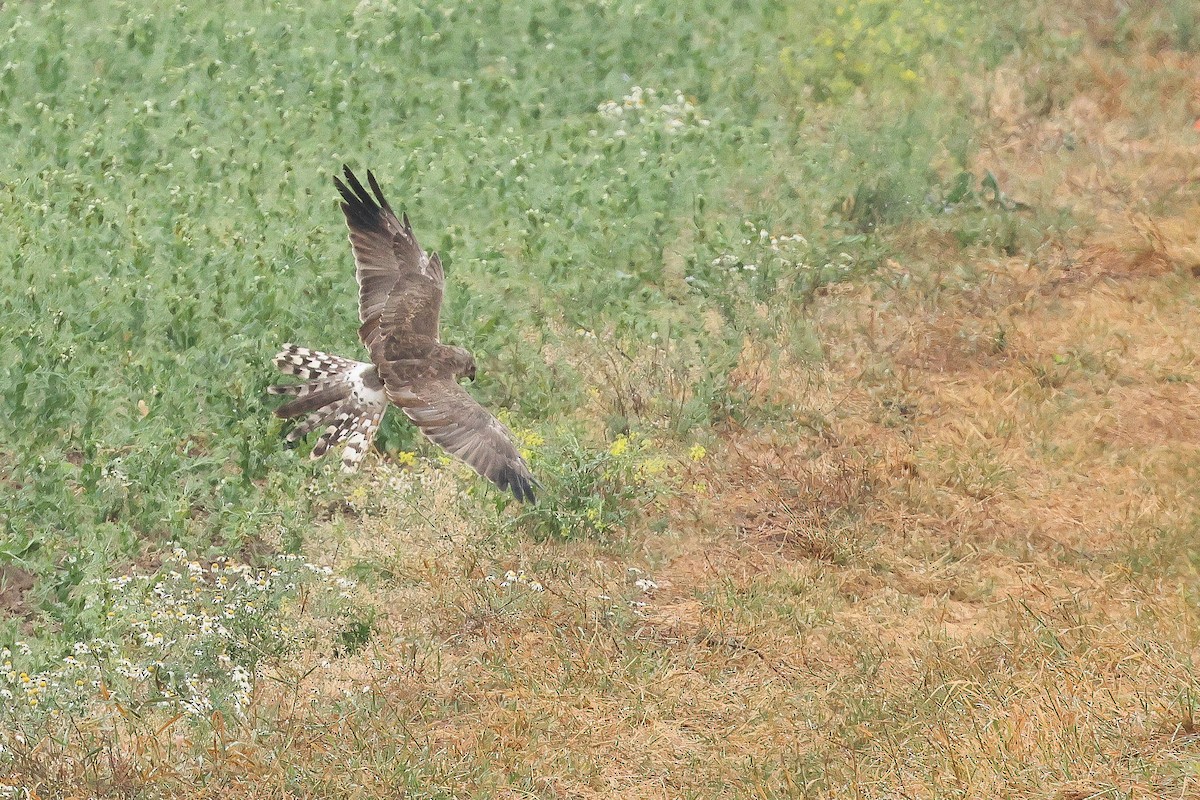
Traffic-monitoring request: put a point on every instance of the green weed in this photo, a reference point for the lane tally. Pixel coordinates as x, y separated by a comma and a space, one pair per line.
597, 492
185, 640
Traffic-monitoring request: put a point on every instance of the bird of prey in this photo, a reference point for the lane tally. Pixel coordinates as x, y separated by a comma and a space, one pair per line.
399, 302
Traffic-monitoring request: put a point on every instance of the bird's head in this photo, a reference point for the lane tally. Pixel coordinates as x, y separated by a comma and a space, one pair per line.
464, 363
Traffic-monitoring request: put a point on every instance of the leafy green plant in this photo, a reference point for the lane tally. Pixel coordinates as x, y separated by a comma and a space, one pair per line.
354, 634
873, 44
184, 641
596, 492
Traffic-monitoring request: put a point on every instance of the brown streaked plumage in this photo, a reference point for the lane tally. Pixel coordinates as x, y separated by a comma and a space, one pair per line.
400, 291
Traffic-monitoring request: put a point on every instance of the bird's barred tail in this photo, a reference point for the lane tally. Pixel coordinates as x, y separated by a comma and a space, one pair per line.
345, 397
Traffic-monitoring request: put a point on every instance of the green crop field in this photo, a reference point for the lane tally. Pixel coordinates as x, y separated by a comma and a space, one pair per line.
853, 344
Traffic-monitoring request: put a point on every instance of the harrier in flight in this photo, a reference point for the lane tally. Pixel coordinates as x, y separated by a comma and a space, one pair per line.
399, 301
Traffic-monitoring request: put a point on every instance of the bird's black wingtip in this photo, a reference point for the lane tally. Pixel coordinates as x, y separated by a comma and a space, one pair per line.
525, 494
351, 180
520, 483
374, 184
360, 208
349, 199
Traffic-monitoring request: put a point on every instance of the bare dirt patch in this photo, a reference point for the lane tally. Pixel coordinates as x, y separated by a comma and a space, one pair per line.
15, 585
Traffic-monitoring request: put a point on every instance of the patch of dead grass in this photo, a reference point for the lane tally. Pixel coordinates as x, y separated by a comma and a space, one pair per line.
15, 584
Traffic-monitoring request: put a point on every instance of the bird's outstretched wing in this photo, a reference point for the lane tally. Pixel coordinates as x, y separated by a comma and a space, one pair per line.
399, 286
466, 430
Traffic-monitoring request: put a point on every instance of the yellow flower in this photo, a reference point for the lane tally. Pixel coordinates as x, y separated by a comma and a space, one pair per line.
357, 496
406, 459
619, 446
697, 452
653, 466
530, 438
